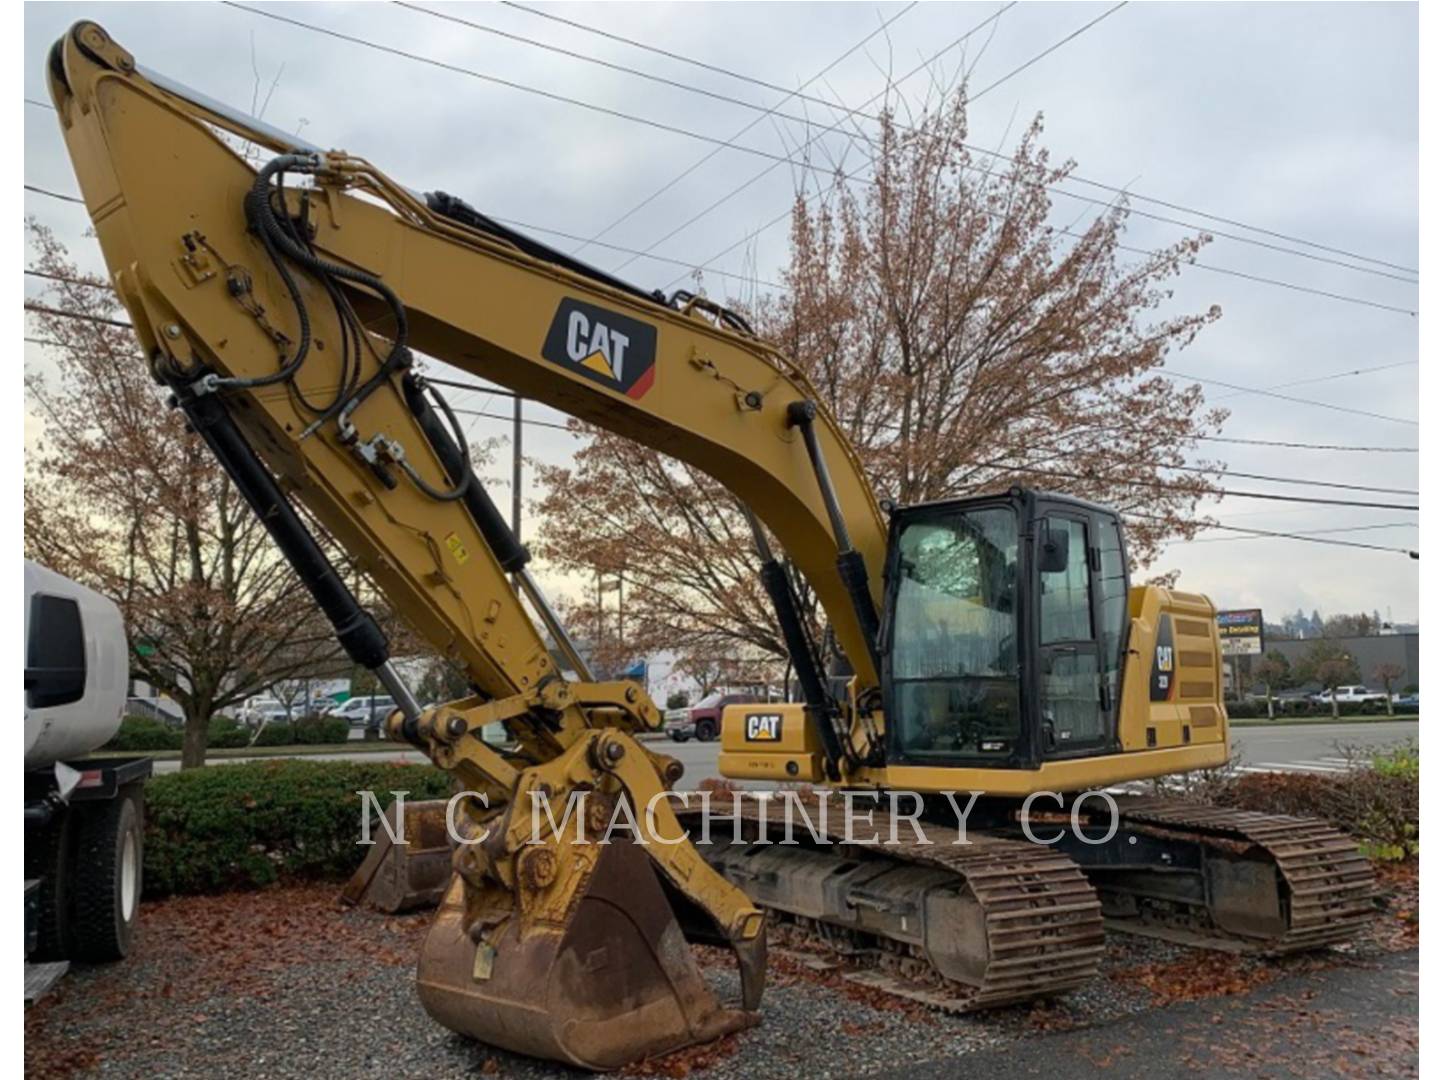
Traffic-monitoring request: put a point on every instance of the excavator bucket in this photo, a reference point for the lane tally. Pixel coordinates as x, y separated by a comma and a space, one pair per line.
610, 983
408, 875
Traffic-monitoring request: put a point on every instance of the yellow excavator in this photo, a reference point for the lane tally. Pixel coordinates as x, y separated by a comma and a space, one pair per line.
996, 644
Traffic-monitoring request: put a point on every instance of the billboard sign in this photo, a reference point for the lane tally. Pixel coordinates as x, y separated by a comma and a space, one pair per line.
1242, 633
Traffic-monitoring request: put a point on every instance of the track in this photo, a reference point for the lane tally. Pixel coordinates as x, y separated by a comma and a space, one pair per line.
957, 926
1310, 880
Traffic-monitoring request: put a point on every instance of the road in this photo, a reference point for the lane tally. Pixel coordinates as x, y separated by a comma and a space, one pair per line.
1287, 748
1312, 747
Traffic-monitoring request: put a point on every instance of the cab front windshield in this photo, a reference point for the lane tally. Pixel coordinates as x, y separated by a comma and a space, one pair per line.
954, 671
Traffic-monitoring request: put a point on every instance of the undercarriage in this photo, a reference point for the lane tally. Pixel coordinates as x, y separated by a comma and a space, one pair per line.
968, 920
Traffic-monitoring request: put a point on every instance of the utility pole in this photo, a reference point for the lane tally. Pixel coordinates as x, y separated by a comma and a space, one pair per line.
515, 468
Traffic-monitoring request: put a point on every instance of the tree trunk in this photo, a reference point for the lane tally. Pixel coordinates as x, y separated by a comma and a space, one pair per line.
1334, 704
1269, 702
197, 738
1389, 703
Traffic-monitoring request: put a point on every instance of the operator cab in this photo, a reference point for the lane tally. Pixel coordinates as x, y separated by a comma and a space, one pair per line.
1003, 640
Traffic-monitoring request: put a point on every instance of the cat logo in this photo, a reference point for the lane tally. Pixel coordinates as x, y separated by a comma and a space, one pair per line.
1162, 671
762, 727
614, 350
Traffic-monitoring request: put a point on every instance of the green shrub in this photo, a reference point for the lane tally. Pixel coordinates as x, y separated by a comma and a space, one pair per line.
276, 733
247, 825
1402, 761
226, 733
139, 733
321, 730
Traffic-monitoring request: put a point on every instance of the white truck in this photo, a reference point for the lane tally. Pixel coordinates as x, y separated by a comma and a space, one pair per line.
83, 819
1349, 695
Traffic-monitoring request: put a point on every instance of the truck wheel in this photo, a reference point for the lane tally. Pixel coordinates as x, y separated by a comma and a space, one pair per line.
48, 859
705, 730
680, 738
105, 888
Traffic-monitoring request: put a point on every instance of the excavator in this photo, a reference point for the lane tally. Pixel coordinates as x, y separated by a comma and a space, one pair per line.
995, 644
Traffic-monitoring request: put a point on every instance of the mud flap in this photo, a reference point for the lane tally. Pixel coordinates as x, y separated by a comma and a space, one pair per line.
404, 877
614, 984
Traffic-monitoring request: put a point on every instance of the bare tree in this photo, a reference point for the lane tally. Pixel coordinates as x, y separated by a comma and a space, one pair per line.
1328, 664
120, 497
1387, 673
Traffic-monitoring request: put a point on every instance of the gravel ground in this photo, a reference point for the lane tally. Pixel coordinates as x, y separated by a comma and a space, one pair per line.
286, 983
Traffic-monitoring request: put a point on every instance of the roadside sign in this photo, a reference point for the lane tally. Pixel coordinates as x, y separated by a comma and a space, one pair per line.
1242, 633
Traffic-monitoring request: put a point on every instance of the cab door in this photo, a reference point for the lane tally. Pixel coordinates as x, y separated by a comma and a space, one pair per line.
1075, 715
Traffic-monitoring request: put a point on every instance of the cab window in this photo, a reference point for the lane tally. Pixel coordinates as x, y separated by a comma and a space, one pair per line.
954, 673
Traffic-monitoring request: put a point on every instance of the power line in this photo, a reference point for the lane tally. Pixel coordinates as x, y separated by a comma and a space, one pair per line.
1309, 446
1323, 378
1302, 532
55, 194
633, 251
1287, 397
677, 130
1161, 485
41, 309
40, 104
769, 112
1112, 189
1000, 465
1041, 55
511, 419
1303, 537
812, 140
70, 280
1296, 480
791, 157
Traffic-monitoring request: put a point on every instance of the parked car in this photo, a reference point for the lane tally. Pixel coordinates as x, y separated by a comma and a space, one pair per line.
701, 721
259, 711
1349, 695
1408, 701
358, 710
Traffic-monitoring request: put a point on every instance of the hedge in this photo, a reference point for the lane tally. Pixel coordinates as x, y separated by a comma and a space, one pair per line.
141, 733
248, 825
306, 731
1255, 710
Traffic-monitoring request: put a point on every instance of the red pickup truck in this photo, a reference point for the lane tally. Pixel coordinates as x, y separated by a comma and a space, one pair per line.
702, 720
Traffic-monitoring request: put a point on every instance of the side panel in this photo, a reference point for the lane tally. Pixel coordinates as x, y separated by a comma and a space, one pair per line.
770, 742
1173, 688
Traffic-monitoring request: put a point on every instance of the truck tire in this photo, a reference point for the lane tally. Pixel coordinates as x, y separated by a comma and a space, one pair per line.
48, 859
705, 730
106, 879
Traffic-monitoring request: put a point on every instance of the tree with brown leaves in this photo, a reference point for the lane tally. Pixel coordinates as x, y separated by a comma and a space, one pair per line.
121, 498
964, 342
1388, 674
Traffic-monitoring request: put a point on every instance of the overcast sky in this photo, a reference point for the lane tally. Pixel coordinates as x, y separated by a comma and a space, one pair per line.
1300, 119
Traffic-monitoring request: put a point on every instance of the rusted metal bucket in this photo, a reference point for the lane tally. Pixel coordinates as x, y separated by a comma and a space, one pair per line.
611, 983
405, 877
